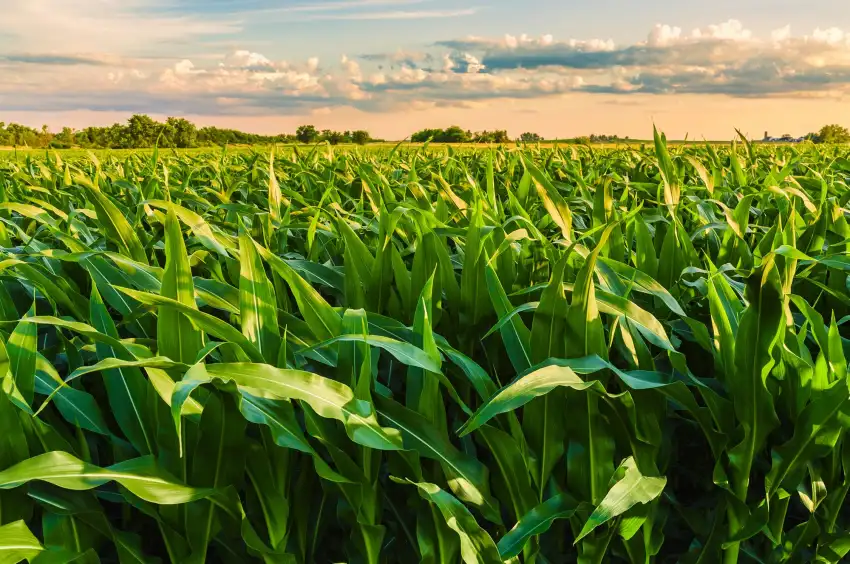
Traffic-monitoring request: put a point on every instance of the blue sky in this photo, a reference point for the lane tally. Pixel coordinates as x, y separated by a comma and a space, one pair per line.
392, 66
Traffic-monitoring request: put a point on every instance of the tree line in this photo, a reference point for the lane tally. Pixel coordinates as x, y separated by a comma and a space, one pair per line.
456, 134
142, 131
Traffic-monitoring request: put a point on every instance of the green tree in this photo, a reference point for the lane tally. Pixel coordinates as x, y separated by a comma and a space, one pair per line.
361, 137
332, 137
833, 134
142, 131
529, 137
181, 133
455, 134
306, 134
64, 139
426, 135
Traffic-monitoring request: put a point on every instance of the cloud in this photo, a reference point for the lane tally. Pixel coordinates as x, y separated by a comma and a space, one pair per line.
718, 60
47, 59
104, 26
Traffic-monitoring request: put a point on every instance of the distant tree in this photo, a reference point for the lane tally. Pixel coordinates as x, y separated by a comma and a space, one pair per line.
306, 134
529, 137
142, 131
22, 136
332, 137
360, 137
180, 133
455, 134
497, 136
833, 134
426, 135
63, 140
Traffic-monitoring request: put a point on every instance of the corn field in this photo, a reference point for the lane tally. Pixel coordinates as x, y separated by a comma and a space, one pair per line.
513, 354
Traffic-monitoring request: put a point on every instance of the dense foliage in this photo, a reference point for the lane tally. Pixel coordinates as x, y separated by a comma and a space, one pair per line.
525, 355
456, 134
832, 133
142, 131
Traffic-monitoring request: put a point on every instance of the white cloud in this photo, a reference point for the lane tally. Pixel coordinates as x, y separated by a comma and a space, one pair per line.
724, 59
248, 59
732, 30
832, 36
781, 34
663, 34
101, 26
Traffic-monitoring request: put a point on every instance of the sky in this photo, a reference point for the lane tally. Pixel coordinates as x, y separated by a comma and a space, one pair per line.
559, 68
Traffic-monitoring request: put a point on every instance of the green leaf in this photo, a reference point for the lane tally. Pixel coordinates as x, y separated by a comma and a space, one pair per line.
554, 203
329, 399
583, 321
476, 546
668, 172
21, 348
536, 383
754, 406
257, 302
515, 334
467, 477
126, 388
116, 225
17, 543
274, 190
208, 323
632, 489
279, 417
536, 522
141, 476
319, 315
177, 336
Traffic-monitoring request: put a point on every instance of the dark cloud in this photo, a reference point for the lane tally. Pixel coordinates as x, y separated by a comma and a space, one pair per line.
699, 64
398, 59
582, 57
57, 60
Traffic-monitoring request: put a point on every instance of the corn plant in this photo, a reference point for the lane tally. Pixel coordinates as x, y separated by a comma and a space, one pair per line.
513, 354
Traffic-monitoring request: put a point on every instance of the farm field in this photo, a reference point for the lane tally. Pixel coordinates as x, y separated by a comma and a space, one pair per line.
22, 153
416, 354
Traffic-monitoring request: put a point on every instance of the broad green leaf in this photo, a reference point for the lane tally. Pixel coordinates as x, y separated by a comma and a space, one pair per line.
536, 522
476, 546
21, 348
141, 476
322, 319
632, 489
329, 399
467, 477
177, 336
754, 406
117, 226
208, 323
257, 302
17, 543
